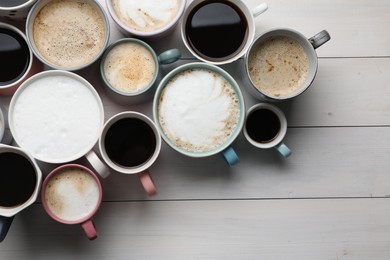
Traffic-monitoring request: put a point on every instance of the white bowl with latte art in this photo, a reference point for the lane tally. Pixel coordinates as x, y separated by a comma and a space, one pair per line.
199, 110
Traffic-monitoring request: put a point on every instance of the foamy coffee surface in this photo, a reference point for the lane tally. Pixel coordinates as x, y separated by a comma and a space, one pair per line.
72, 194
69, 33
129, 67
279, 66
146, 15
56, 117
198, 110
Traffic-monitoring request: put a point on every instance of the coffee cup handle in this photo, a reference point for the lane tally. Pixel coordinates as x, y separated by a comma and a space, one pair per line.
283, 150
169, 56
319, 39
97, 164
261, 8
90, 229
147, 183
230, 156
5, 224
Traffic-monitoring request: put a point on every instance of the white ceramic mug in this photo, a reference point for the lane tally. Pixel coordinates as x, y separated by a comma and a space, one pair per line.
17, 166
222, 38
147, 18
286, 80
265, 127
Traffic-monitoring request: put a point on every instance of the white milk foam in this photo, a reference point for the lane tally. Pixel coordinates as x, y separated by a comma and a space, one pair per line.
56, 117
72, 194
198, 110
279, 66
129, 67
146, 15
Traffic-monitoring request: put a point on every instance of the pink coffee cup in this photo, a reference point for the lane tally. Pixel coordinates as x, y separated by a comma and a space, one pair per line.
72, 194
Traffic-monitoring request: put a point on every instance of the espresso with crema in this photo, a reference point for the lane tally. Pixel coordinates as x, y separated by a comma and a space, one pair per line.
129, 67
145, 15
72, 194
198, 110
278, 66
69, 33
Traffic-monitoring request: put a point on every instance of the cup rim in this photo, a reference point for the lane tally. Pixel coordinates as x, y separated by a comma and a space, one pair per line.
146, 34
251, 32
112, 46
283, 31
283, 125
44, 74
30, 39
17, 7
59, 169
224, 74
31, 56
11, 211
2, 124
139, 168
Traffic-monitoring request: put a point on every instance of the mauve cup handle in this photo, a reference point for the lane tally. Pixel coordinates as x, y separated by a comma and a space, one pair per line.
147, 183
97, 164
319, 39
90, 229
169, 56
230, 156
283, 150
5, 224
258, 10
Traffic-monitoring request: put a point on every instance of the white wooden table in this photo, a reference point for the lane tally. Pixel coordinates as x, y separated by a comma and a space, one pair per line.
329, 200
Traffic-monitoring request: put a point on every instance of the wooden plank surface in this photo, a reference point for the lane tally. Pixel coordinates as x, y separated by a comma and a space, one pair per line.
329, 200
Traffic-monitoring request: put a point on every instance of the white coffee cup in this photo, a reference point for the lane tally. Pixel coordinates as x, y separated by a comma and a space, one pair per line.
265, 127
222, 38
149, 19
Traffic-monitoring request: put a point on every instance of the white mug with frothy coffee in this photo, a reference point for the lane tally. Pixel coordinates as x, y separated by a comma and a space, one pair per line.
199, 111
67, 34
146, 18
282, 64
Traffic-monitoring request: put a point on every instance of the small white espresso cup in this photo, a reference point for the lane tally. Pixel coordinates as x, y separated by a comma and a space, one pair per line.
214, 38
146, 18
18, 10
265, 127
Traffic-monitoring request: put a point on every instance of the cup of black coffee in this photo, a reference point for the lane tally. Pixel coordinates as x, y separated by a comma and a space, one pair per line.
265, 127
218, 31
17, 62
20, 182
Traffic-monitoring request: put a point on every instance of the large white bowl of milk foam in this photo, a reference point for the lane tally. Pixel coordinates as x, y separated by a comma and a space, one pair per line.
57, 116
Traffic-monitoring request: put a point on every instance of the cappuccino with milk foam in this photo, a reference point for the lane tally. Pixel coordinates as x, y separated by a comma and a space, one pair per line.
69, 33
72, 194
278, 66
198, 110
129, 67
145, 15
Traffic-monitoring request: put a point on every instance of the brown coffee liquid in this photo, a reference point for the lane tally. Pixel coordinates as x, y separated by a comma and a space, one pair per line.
17, 179
130, 142
216, 30
263, 125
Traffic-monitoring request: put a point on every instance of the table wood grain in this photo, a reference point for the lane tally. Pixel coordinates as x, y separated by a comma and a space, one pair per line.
329, 200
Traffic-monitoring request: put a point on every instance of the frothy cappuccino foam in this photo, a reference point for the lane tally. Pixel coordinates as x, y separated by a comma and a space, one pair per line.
129, 67
72, 194
56, 117
69, 33
146, 15
198, 110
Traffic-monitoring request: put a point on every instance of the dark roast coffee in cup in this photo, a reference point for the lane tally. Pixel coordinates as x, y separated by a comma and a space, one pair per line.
263, 125
17, 179
217, 30
130, 142
14, 56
